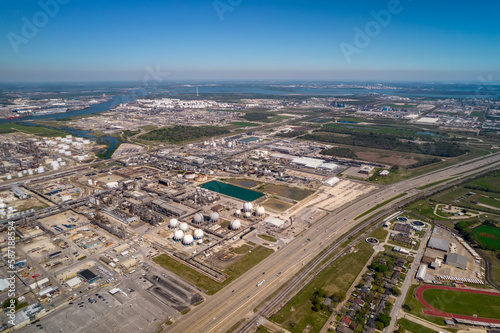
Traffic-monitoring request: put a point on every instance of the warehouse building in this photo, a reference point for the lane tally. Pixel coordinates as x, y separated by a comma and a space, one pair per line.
456, 260
18, 192
169, 209
438, 244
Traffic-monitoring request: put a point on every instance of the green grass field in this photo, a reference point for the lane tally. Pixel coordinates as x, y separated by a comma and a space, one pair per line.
36, 130
267, 238
380, 205
337, 278
210, 286
287, 192
489, 183
410, 326
413, 306
485, 306
244, 124
489, 236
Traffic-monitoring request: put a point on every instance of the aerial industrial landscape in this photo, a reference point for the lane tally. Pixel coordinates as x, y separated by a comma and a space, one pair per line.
283, 214
249, 166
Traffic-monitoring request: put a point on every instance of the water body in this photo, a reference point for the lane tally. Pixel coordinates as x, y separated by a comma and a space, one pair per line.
429, 134
111, 141
95, 108
232, 191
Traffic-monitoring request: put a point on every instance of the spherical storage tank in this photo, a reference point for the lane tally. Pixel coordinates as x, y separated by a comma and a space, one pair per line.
188, 240
237, 212
183, 226
214, 217
198, 234
197, 218
173, 223
235, 224
248, 214
178, 235
260, 211
247, 207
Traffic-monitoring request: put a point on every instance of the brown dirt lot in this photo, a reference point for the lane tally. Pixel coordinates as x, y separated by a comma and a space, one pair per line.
389, 158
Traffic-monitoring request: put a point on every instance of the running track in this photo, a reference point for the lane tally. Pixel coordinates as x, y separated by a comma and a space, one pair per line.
435, 312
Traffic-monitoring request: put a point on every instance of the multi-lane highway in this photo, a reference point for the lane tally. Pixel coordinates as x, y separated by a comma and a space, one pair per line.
222, 310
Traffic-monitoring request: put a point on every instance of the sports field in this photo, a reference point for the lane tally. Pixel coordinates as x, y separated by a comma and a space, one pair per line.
470, 304
488, 235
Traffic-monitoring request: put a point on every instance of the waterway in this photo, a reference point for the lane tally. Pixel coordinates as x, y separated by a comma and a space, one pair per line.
232, 191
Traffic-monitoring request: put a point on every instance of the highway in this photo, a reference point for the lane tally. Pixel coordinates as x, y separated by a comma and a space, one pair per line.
237, 301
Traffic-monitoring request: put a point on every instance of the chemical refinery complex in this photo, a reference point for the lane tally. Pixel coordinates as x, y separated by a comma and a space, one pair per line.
180, 215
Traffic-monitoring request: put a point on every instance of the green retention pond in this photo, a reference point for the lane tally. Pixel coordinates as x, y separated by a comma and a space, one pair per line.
232, 191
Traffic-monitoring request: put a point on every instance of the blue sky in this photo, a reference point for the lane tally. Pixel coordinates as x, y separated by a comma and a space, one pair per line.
272, 39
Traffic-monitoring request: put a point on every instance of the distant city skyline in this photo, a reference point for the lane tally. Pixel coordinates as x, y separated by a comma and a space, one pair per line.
74, 40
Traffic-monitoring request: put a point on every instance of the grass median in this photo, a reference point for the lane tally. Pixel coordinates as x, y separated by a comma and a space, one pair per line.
204, 282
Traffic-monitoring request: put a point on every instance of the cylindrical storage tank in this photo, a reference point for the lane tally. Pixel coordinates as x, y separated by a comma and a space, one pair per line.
9, 177
237, 213
30, 172
41, 169
247, 207
173, 223
214, 217
2, 206
198, 218
189, 175
198, 234
235, 224
260, 211
188, 240
248, 214
178, 235
183, 226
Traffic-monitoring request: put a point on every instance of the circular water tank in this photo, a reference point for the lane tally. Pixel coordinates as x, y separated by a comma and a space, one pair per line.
2, 205
248, 214
197, 218
178, 235
235, 224
183, 226
260, 211
173, 223
247, 207
214, 217
188, 240
198, 234
189, 175
237, 213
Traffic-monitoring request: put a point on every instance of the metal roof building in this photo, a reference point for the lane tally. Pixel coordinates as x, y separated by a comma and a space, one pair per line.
438, 244
456, 260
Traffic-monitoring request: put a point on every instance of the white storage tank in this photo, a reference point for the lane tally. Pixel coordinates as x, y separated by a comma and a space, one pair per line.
214, 217
183, 226
173, 223
247, 207
198, 218
178, 235
237, 213
260, 211
188, 240
198, 234
235, 224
